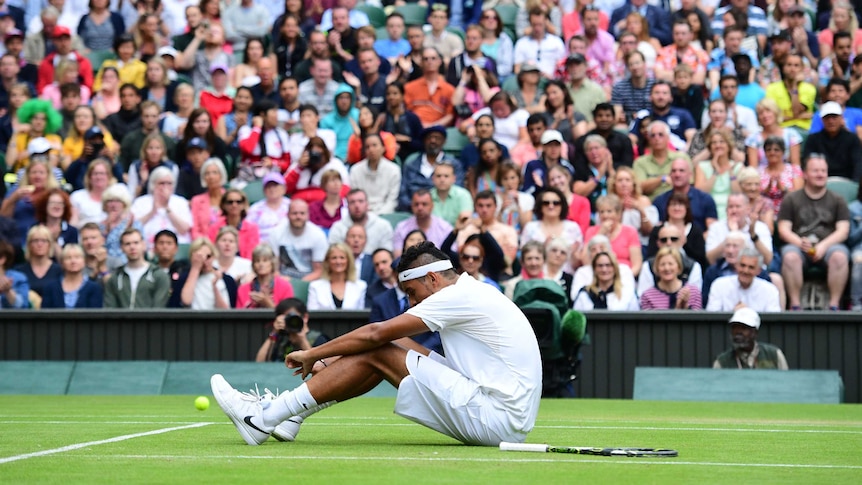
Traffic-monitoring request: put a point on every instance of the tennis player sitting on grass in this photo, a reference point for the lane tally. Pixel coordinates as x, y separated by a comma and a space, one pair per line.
486, 390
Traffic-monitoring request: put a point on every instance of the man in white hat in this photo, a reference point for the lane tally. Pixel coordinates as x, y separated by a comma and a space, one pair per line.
746, 352
842, 149
536, 172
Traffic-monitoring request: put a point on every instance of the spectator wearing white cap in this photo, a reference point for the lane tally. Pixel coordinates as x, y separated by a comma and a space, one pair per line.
841, 149
536, 172
746, 352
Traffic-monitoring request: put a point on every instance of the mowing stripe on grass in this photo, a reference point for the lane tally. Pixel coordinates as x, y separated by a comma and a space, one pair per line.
609, 460
100, 442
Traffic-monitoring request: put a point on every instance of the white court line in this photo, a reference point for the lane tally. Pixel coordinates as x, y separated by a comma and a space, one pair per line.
609, 460
397, 425
77, 446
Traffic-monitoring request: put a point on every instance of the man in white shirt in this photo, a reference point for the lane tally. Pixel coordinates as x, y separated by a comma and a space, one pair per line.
745, 288
542, 48
299, 244
485, 391
377, 230
738, 219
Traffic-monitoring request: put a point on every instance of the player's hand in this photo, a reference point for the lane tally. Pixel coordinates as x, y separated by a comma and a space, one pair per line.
301, 361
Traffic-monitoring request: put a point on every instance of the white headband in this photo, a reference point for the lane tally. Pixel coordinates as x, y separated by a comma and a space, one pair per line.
418, 272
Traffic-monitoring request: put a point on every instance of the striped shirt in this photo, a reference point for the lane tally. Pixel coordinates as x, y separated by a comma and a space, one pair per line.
757, 23
656, 299
632, 99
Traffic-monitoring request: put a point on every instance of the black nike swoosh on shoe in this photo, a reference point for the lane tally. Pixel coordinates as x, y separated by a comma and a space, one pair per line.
247, 420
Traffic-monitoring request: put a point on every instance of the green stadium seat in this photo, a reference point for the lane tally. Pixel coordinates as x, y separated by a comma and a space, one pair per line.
455, 142
254, 191
375, 14
182, 251
844, 187
508, 14
300, 289
510, 31
414, 14
394, 218
456, 31
96, 58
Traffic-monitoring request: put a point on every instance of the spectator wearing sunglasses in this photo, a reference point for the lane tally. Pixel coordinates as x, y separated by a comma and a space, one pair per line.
234, 207
691, 273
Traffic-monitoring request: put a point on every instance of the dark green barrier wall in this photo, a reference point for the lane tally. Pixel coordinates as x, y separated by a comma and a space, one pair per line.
620, 341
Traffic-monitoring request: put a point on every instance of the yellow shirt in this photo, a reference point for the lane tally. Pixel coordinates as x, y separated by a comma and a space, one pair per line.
74, 146
807, 95
133, 72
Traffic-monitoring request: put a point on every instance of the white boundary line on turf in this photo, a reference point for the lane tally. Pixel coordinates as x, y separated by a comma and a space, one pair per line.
78, 446
609, 460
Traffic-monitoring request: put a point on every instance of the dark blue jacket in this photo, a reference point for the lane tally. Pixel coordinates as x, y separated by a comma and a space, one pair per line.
657, 19
89, 296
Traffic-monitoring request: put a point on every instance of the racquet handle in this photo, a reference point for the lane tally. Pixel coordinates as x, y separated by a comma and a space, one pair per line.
504, 446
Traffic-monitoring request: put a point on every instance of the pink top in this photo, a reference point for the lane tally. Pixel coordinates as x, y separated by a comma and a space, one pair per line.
826, 36
622, 244
579, 212
571, 23
602, 48
249, 236
52, 94
203, 215
281, 289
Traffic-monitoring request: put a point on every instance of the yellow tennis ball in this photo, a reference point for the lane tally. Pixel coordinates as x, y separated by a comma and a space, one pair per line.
202, 403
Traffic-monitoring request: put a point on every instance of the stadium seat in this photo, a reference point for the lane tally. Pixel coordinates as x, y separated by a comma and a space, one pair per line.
508, 14
455, 142
844, 187
394, 218
375, 14
182, 251
96, 58
254, 191
414, 14
300, 289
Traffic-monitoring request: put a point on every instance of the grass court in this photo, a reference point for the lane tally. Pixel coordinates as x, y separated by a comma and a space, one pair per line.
164, 439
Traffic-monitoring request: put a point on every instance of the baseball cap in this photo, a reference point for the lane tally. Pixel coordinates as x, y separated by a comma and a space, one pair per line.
218, 66
61, 31
38, 145
13, 33
529, 67
550, 136
93, 132
747, 317
830, 108
167, 51
434, 129
273, 177
782, 35
197, 142
795, 9
576, 58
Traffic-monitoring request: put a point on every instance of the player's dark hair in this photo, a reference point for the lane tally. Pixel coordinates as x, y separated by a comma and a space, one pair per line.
423, 253
288, 303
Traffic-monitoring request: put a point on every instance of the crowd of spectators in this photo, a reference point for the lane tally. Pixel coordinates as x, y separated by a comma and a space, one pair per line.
642, 154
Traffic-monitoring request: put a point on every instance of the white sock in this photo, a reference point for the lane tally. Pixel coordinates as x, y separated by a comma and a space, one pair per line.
289, 404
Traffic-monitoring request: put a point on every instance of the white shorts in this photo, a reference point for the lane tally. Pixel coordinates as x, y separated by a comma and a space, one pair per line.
439, 397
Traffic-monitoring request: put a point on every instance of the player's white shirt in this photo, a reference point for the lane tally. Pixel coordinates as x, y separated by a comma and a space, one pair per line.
488, 340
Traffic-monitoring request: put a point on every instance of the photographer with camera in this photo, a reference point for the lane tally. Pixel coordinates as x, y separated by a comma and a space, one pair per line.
289, 333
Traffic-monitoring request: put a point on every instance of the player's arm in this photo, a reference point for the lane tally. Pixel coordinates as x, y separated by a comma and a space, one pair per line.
365, 338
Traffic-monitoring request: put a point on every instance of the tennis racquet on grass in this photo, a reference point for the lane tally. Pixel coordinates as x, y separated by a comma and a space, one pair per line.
585, 450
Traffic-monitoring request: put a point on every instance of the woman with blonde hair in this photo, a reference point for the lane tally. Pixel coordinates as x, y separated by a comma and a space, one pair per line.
647, 45
268, 287
670, 292
843, 19
698, 150
65, 72
606, 290
83, 119
770, 118
203, 287
338, 288
228, 259
625, 243
115, 206
717, 175
638, 211
154, 153
73, 289
88, 202
40, 269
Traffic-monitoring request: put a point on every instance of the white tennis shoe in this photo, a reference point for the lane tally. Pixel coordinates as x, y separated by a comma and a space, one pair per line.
288, 429
244, 409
